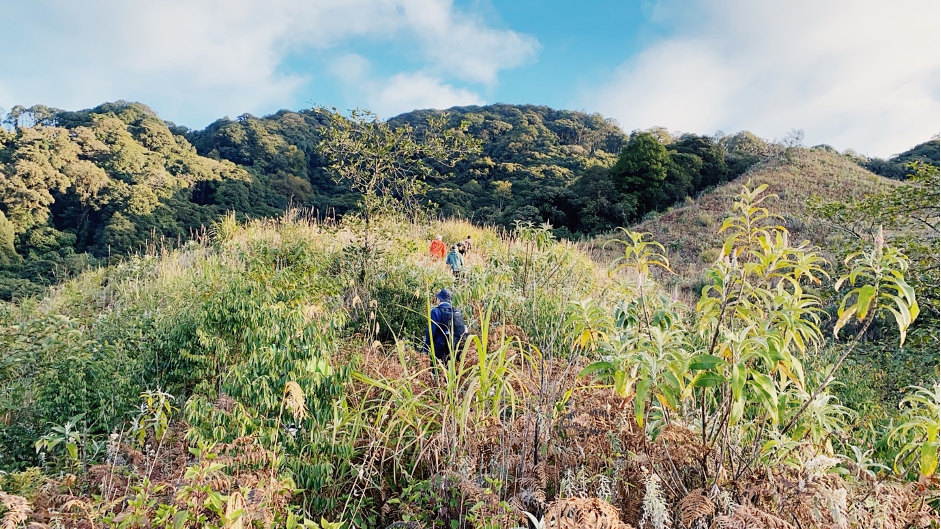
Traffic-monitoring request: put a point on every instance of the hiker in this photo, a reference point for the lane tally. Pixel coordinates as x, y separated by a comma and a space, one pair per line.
467, 245
455, 260
437, 248
445, 331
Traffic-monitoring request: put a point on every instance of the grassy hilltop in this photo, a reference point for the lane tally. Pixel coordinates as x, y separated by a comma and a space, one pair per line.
83, 188
690, 232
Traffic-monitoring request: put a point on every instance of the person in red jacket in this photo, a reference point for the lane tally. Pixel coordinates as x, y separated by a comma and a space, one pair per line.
438, 248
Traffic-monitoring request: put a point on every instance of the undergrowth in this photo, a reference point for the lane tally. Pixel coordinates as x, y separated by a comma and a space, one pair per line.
268, 374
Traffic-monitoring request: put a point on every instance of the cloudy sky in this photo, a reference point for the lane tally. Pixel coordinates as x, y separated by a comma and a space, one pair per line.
859, 74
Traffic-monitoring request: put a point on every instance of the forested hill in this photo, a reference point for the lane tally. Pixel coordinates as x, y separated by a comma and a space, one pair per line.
76, 187
537, 164
530, 155
79, 187
899, 167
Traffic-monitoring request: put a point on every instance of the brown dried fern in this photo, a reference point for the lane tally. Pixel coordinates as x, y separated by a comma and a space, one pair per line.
17, 510
582, 513
746, 517
696, 506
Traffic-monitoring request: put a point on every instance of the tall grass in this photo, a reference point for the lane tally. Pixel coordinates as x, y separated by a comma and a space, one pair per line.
249, 321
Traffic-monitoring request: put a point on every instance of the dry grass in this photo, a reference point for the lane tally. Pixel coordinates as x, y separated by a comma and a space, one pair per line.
584, 463
690, 233
109, 489
595, 445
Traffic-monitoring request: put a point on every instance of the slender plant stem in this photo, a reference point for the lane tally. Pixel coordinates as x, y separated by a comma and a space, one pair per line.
832, 373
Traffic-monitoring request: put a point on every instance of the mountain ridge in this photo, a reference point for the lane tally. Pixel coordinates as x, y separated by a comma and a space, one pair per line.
83, 186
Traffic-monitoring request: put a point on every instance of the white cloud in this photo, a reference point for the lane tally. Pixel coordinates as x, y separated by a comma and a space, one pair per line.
199, 59
860, 74
409, 91
350, 68
463, 45
402, 92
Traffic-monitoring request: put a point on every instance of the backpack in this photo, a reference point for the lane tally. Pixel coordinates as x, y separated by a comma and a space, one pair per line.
448, 333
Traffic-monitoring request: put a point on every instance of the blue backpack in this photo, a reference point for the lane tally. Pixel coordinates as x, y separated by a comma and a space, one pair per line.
448, 333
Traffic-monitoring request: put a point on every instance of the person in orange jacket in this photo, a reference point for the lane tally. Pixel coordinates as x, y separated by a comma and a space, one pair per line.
438, 248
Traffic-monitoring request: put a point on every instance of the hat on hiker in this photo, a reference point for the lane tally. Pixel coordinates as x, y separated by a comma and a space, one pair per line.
444, 295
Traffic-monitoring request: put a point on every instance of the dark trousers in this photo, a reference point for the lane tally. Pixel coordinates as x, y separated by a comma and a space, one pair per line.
441, 357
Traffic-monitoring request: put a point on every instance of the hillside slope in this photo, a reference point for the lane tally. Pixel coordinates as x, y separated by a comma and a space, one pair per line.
81, 187
690, 233
256, 374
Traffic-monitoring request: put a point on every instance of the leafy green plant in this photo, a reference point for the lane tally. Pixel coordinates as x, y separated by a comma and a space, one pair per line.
736, 370
918, 433
883, 289
154, 415
68, 437
142, 506
387, 165
881, 273
645, 346
589, 324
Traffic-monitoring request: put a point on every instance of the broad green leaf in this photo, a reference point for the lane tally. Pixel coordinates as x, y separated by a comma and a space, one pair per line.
620, 383
704, 361
767, 392
901, 318
595, 367
738, 409
672, 381
787, 372
863, 299
839, 283
707, 379
727, 247
180, 519
842, 321
738, 382
914, 310
669, 394
215, 500
640, 401
929, 459
907, 289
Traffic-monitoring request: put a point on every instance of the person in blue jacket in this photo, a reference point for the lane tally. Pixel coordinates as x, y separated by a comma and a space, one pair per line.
455, 260
445, 330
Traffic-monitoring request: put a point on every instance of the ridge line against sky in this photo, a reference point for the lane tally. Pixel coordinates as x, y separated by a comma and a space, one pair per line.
858, 74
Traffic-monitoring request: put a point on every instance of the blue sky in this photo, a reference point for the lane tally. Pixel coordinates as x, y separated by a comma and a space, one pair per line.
861, 74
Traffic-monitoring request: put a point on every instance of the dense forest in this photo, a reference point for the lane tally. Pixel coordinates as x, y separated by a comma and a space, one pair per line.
225, 328
899, 167
80, 188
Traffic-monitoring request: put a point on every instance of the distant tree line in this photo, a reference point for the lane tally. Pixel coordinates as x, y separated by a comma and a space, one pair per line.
899, 167
77, 188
